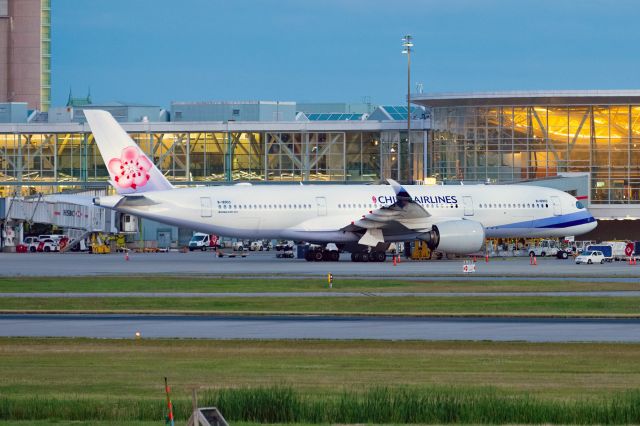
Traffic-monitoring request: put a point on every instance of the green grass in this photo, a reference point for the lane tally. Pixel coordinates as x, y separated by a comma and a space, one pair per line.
538, 306
283, 404
257, 284
321, 382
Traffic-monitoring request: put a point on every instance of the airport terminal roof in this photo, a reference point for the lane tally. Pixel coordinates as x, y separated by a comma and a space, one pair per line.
542, 97
325, 116
396, 112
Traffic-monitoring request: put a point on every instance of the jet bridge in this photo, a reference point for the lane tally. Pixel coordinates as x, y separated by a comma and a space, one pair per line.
74, 213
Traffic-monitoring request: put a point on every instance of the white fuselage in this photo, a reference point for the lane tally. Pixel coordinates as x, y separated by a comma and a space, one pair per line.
316, 213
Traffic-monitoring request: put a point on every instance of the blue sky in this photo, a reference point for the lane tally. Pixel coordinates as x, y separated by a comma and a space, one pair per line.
156, 51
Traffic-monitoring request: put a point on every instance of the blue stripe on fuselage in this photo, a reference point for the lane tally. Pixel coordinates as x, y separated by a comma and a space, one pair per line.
562, 221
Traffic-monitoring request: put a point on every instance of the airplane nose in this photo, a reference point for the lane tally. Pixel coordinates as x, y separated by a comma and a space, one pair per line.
592, 225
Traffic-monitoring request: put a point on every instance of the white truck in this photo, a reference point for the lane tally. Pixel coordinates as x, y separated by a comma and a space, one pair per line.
545, 248
204, 242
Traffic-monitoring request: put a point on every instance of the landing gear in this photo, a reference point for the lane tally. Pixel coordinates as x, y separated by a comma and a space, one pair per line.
322, 255
372, 256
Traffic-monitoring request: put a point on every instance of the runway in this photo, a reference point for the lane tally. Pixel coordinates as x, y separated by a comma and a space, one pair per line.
322, 327
265, 264
331, 294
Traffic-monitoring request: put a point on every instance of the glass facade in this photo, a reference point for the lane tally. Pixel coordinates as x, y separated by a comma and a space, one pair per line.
34, 162
515, 143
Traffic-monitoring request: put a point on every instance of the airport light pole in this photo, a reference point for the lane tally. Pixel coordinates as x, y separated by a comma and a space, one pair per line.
407, 47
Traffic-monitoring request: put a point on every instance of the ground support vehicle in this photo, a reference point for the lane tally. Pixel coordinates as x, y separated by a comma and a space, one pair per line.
285, 254
590, 256
619, 249
564, 253
545, 248
285, 245
204, 242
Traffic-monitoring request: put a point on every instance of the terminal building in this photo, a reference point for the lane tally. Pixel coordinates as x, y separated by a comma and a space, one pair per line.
582, 142
504, 137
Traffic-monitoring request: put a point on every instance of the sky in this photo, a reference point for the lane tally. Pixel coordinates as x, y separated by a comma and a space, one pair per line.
158, 51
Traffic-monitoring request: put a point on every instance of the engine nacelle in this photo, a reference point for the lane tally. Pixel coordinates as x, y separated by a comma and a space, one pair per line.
455, 236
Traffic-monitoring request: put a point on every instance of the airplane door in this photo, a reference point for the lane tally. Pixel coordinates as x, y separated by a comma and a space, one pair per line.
557, 207
205, 206
468, 205
321, 203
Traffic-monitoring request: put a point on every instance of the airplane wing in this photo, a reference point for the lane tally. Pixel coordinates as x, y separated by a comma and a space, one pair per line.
402, 216
404, 213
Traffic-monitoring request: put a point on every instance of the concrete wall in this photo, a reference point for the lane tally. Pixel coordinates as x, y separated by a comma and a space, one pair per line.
24, 52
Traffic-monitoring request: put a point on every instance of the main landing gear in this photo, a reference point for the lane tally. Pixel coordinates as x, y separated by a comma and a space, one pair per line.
372, 256
320, 254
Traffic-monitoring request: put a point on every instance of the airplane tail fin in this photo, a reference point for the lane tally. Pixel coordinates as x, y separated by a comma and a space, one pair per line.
130, 169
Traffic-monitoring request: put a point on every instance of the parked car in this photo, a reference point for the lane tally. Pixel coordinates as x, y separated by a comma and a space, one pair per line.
256, 246
605, 249
31, 243
239, 246
590, 256
48, 245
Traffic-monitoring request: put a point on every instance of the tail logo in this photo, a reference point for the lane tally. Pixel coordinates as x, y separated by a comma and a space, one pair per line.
131, 170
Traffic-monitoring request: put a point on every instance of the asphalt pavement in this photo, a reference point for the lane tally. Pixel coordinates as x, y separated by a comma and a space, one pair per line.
265, 264
322, 327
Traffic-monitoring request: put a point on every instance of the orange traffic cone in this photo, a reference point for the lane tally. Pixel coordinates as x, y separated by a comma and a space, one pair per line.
535, 261
394, 260
399, 259
486, 258
126, 256
474, 259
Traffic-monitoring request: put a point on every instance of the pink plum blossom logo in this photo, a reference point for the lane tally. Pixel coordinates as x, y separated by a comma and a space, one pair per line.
373, 198
131, 170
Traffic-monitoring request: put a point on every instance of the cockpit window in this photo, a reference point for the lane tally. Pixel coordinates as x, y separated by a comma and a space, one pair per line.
579, 205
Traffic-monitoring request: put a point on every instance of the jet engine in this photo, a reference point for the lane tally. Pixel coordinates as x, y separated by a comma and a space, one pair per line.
455, 236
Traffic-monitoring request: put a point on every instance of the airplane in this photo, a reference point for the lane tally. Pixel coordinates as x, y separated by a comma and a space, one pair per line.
361, 219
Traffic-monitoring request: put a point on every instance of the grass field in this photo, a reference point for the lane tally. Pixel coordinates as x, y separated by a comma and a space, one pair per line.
532, 306
537, 306
257, 284
106, 378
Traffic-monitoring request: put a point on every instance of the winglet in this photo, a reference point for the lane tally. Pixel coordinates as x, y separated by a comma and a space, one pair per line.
402, 195
130, 169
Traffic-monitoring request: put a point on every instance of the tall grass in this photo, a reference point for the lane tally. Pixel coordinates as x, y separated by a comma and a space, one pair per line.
283, 404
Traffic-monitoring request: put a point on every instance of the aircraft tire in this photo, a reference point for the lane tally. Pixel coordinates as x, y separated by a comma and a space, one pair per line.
381, 256
364, 257
317, 256
335, 256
